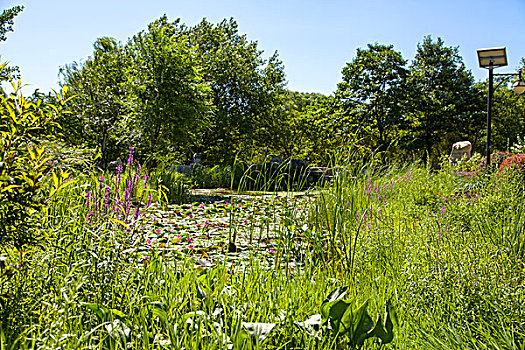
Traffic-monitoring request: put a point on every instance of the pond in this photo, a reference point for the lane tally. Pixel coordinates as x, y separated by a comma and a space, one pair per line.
224, 228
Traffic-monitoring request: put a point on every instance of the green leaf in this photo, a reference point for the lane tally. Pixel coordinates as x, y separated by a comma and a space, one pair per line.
336, 294
100, 311
337, 310
384, 331
361, 323
117, 313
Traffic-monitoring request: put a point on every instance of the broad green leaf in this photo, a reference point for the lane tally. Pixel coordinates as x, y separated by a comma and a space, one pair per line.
361, 324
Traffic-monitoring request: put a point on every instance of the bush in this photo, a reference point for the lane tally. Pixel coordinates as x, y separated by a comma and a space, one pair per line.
495, 158
516, 162
215, 177
174, 185
23, 162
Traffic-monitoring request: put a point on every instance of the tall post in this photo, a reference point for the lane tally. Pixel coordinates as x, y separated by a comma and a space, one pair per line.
489, 111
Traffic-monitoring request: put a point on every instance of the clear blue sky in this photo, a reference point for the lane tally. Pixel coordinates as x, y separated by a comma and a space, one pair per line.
314, 38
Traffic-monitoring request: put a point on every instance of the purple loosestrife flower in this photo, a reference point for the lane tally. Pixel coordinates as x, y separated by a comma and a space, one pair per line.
88, 195
130, 158
149, 200
146, 178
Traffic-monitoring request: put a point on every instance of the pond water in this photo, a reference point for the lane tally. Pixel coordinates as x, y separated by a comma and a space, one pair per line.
221, 227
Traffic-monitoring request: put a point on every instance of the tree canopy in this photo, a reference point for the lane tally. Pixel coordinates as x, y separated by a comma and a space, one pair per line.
173, 90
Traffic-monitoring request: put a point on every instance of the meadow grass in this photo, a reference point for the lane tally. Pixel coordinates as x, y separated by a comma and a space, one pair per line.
111, 272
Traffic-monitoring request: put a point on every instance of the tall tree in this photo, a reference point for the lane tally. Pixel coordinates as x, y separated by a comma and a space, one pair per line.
507, 115
6, 26
7, 20
245, 89
99, 105
168, 96
442, 97
310, 127
372, 90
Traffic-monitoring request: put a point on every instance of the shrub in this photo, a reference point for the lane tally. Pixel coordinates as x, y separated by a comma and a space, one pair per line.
516, 162
495, 158
24, 123
216, 177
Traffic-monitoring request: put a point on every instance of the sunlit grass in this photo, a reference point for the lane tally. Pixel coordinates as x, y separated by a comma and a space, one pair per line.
446, 251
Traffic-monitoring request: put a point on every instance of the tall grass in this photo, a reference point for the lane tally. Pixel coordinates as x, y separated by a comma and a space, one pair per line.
446, 251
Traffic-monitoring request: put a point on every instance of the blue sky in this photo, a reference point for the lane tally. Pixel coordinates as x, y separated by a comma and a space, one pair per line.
314, 39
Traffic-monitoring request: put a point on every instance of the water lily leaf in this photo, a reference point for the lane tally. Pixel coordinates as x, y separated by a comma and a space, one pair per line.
326, 307
259, 331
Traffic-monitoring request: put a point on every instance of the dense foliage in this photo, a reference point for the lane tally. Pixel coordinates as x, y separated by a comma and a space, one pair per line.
103, 259
6, 26
174, 90
24, 124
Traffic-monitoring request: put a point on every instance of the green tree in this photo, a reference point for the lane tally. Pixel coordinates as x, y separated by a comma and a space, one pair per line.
373, 90
6, 26
245, 87
7, 21
507, 116
443, 101
309, 128
99, 106
168, 97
